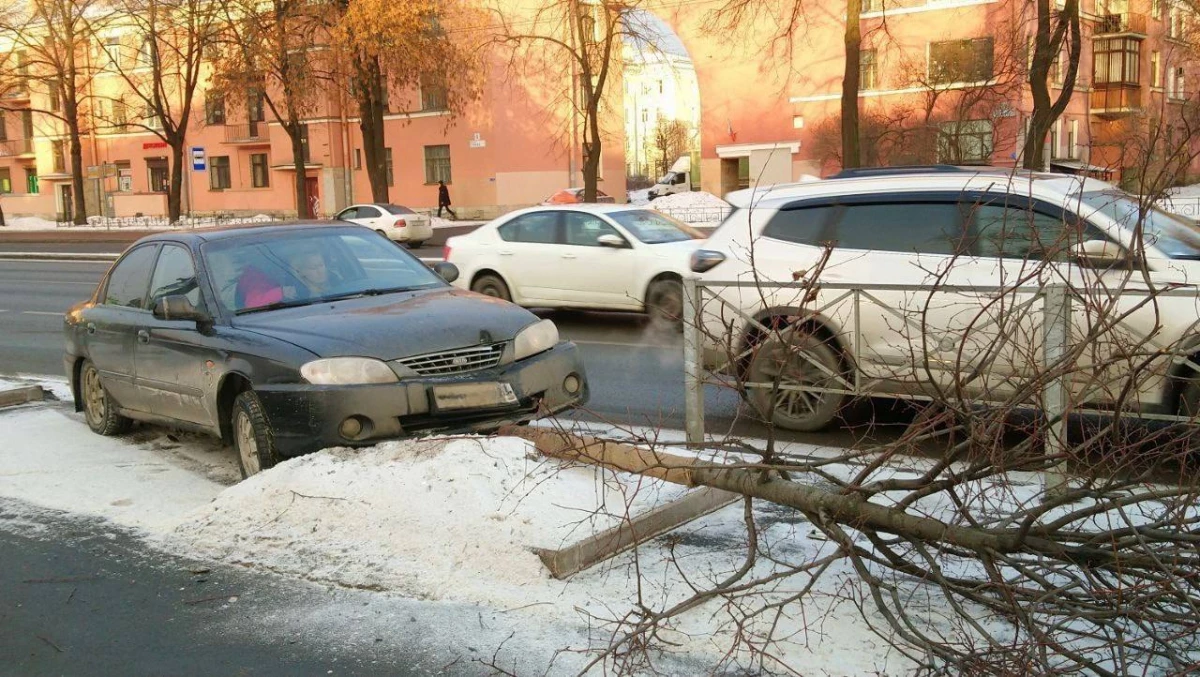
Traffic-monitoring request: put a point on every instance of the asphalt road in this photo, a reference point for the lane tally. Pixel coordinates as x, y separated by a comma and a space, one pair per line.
636, 373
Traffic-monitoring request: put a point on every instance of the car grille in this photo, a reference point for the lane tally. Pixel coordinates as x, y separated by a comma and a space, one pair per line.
458, 361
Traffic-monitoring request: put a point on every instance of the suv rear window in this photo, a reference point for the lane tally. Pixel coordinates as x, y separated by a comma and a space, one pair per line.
805, 225
909, 227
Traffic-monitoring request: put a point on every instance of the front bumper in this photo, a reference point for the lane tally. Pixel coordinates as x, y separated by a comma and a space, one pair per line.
307, 418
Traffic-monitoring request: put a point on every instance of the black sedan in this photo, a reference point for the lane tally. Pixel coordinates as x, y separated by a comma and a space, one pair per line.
287, 339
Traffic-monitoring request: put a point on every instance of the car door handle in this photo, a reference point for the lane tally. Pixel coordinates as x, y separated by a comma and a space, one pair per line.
91, 327
143, 336
505, 252
569, 256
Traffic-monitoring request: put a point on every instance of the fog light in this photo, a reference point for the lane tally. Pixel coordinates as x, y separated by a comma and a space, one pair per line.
352, 428
571, 384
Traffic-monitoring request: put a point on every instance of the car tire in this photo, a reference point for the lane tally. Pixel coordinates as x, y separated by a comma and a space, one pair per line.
664, 304
1189, 398
98, 406
416, 245
253, 438
491, 285
784, 356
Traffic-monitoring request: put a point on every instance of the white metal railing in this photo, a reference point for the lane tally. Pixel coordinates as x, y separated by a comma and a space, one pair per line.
1056, 314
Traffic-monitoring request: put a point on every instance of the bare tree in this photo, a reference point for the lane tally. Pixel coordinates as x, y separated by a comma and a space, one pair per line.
275, 52
588, 36
672, 140
1056, 27
55, 40
159, 48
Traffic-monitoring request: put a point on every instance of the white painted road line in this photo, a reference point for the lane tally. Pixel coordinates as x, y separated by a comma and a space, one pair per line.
39, 282
41, 312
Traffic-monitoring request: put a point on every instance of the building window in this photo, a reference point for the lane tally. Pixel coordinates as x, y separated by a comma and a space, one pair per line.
1116, 61
259, 174
124, 176
1178, 23
358, 158
27, 124
112, 49
57, 149
1156, 9
159, 176
150, 118
961, 60
120, 114
3, 127
867, 70
1054, 135
433, 93
306, 155
254, 107
437, 164
31, 181
55, 99
218, 173
1155, 67
965, 141
214, 109
387, 163
147, 56
1073, 139
1175, 88
5, 180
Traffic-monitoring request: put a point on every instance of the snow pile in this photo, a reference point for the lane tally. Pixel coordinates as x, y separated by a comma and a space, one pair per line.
29, 223
432, 519
689, 200
639, 197
134, 222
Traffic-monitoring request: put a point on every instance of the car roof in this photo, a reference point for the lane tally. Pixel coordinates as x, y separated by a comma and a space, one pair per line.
992, 179
594, 207
213, 233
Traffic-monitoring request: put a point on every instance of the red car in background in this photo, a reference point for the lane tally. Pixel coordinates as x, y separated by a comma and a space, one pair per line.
572, 196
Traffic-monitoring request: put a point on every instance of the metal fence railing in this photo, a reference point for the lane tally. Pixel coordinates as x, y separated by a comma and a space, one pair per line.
709, 216
188, 222
1055, 307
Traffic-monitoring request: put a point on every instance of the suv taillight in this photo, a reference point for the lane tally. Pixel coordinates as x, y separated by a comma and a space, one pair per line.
704, 260
400, 223
446, 252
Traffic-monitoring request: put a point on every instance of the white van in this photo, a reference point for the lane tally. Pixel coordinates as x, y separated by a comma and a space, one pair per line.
678, 180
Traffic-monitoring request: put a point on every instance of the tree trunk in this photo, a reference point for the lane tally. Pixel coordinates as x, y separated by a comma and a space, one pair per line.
369, 93
2, 222
303, 208
851, 154
175, 190
77, 169
593, 150
1048, 41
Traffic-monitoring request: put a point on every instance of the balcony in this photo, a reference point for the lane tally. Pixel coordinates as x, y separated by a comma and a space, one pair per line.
16, 147
1116, 100
248, 133
16, 94
1126, 23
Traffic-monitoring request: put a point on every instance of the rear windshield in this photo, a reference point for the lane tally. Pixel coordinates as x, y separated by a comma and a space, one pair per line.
652, 227
397, 209
1170, 234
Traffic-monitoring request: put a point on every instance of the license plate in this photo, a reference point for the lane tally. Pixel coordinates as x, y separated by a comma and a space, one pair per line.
473, 395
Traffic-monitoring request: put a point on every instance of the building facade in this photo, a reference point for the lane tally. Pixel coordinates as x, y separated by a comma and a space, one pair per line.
659, 87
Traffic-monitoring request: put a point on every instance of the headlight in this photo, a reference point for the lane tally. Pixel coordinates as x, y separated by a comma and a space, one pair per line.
338, 371
536, 338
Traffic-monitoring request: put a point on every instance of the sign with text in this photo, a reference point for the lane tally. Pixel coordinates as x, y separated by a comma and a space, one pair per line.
198, 161
153, 144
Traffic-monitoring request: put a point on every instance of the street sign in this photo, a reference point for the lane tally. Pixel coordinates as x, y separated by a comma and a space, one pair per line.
198, 162
477, 141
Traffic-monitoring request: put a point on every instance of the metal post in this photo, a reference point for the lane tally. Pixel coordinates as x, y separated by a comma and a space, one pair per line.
693, 383
1056, 332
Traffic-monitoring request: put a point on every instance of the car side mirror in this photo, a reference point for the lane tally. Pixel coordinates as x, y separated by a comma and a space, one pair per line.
177, 307
614, 241
1099, 254
446, 270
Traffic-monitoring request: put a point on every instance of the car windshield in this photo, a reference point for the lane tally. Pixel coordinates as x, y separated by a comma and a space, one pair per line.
397, 209
1170, 234
283, 269
652, 227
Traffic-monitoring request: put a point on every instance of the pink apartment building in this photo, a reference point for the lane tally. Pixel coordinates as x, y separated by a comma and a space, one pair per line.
511, 149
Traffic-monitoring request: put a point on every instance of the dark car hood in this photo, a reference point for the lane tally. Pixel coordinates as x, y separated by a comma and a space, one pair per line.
393, 326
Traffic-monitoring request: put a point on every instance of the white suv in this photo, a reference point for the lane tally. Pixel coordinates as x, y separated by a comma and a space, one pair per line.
855, 246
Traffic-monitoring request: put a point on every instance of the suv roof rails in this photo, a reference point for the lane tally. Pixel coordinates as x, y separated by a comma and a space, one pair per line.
911, 169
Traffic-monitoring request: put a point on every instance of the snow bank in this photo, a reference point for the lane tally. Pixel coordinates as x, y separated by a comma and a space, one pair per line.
433, 519
639, 197
134, 222
689, 200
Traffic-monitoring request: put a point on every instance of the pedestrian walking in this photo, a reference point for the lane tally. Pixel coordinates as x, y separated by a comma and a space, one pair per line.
444, 201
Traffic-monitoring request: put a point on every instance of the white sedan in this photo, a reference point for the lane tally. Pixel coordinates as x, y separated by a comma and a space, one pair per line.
606, 257
397, 223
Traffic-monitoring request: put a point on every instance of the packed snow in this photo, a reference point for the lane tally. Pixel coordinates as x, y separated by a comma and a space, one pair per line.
639, 197
133, 222
689, 200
